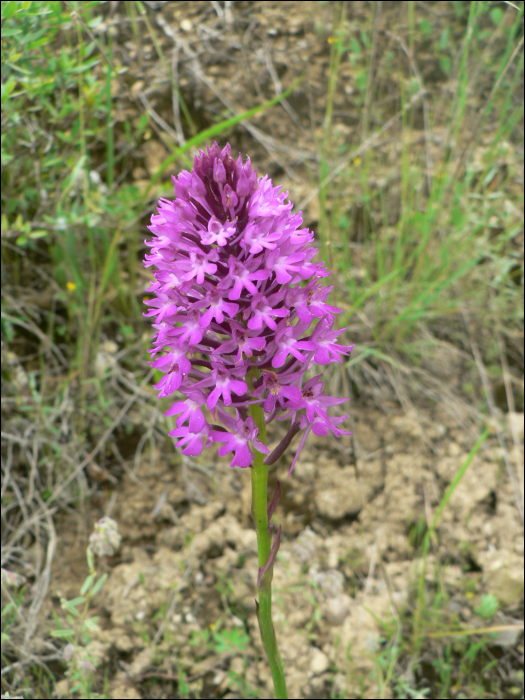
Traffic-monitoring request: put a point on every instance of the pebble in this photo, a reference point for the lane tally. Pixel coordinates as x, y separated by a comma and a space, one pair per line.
319, 662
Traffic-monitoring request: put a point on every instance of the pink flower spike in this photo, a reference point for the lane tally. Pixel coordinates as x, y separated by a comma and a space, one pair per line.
314, 401
235, 288
191, 330
257, 237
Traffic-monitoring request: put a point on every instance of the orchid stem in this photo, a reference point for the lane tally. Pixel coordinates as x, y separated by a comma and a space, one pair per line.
259, 474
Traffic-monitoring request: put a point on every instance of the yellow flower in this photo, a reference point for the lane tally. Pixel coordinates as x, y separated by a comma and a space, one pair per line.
71, 286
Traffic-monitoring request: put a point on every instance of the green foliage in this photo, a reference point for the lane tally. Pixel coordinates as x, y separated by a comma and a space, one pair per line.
57, 72
488, 606
426, 265
78, 634
220, 641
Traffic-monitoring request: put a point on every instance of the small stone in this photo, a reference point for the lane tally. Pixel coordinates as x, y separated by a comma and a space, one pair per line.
304, 545
511, 631
330, 582
237, 666
186, 25
515, 421
124, 643
503, 573
338, 492
319, 662
61, 689
454, 449
337, 609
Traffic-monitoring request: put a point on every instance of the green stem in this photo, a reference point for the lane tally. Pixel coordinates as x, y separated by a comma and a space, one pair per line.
264, 542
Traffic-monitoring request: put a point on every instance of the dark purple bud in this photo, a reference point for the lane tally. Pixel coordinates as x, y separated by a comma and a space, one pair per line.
197, 186
229, 198
219, 172
243, 186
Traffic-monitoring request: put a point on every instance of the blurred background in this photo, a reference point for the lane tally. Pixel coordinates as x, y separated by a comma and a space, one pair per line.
397, 129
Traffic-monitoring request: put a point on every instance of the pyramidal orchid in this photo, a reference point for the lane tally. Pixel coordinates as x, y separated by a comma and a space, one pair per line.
240, 315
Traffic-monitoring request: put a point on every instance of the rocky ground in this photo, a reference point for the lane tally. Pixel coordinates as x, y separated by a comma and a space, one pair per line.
347, 566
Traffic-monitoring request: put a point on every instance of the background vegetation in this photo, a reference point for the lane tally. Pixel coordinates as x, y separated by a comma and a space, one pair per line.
426, 246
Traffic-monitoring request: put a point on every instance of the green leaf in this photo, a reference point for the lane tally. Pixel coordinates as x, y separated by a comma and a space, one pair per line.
91, 624
231, 639
361, 80
76, 601
365, 38
443, 39
98, 585
70, 605
426, 27
445, 64
496, 15
488, 606
62, 633
10, 32
10, 606
8, 88
8, 10
95, 22
87, 584
90, 560
86, 66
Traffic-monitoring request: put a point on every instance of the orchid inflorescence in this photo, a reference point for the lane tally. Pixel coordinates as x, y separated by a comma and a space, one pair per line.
236, 293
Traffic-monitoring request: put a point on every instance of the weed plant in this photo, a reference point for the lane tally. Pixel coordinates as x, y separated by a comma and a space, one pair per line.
420, 215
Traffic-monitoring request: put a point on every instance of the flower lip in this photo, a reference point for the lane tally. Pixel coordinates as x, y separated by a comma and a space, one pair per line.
218, 232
